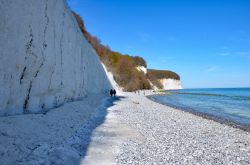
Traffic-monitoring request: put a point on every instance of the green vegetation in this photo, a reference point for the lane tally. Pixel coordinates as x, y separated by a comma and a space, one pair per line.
123, 66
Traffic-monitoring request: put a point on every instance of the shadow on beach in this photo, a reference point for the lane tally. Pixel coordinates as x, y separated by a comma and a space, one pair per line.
61, 136
97, 119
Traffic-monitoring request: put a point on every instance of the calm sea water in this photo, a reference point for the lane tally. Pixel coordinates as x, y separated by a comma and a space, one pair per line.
231, 104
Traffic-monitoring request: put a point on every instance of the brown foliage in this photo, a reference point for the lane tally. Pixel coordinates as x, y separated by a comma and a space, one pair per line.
140, 61
159, 74
156, 82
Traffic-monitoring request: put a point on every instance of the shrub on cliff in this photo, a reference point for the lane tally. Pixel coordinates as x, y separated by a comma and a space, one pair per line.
139, 61
128, 77
160, 74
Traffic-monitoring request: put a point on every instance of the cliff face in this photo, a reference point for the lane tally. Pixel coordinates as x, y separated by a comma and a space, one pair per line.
169, 84
44, 60
164, 79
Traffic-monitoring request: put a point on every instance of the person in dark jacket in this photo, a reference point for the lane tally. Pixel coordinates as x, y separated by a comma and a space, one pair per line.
111, 92
114, 91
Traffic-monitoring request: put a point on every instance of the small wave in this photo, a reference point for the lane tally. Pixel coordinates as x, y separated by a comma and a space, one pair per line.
240, 97
205, 94
211, 94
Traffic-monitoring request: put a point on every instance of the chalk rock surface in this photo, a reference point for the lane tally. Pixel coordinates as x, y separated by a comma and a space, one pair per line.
45, 60
169, 84
142, 69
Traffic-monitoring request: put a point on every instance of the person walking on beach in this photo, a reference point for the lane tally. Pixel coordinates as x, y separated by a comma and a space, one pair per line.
111, 92
114, 91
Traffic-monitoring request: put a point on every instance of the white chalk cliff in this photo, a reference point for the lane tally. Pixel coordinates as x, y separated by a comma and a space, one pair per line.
169, 84
112, 80
44, 59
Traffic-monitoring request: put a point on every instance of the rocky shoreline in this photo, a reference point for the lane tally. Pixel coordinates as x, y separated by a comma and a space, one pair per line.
170, 136
207, 116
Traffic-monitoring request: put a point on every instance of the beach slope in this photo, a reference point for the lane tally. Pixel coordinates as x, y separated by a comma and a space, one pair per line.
158, 134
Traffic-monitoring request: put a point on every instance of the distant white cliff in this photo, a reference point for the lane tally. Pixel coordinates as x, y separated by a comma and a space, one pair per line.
169, 84
44, 59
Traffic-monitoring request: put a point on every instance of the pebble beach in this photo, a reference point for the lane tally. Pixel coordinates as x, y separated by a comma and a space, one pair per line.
127, 129
171, 136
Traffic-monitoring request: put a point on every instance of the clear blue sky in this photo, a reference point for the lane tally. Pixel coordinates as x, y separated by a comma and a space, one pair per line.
206, 42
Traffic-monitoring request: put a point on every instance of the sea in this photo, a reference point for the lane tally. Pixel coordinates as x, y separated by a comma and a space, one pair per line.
225, 104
